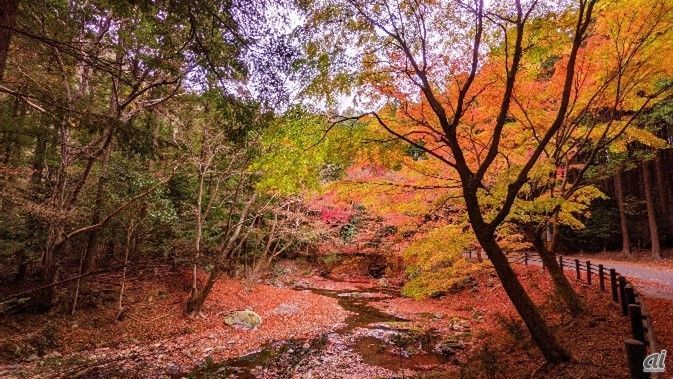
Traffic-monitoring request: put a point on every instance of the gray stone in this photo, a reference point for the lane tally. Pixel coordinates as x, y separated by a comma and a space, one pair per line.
245, 319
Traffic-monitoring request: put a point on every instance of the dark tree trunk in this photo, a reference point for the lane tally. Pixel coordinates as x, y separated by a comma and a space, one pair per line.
651, 214
8, 9
563, 286
542, 335
662, 191
619, 194
21, 266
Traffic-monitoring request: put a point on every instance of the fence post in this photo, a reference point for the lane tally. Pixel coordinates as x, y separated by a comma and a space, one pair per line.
635, 351
613, 284
622, 295
629, 294
588, 272
577, 268
636, 317
601, 277
560, 262
525, 258
470, 253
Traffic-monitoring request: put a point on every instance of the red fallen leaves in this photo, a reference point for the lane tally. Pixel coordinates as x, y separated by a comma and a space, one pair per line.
661, 311
595, 339
156, 333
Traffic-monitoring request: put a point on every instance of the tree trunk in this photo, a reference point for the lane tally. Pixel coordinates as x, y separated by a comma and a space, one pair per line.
651, 214
92, 239
34, 225
662, 191
195, 303
45, 298
8, 10
561, 283
555, 231
542, 336
197, 238
619, 194
21, 266
39, 155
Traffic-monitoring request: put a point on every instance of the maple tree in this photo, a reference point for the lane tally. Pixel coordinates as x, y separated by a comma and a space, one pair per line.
521, 100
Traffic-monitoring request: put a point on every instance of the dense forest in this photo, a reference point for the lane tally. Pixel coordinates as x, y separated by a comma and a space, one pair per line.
193, 159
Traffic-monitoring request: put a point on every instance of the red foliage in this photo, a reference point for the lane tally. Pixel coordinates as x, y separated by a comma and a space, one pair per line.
333, 216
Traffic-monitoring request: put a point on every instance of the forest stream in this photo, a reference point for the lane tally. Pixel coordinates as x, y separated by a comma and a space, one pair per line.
369, 341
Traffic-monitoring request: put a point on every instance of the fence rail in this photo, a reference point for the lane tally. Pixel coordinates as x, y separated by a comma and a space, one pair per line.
623, 292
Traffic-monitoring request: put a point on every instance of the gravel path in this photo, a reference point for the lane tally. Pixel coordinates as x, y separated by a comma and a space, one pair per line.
652, 281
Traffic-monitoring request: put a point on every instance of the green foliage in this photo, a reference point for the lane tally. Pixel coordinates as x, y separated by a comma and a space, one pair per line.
539, 197
436, 261
331, 259
348, 231
298, 148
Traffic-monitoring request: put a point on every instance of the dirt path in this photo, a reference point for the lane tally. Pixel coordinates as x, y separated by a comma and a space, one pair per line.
652, 281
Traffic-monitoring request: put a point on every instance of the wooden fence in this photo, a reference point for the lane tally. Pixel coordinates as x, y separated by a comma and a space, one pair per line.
643, 341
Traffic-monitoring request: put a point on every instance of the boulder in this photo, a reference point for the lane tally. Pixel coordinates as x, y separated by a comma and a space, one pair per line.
245, 319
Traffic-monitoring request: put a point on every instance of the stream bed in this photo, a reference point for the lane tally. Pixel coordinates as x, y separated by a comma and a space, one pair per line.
370, 343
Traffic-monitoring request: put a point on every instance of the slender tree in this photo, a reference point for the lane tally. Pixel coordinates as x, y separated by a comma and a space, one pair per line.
651, 213
619, 195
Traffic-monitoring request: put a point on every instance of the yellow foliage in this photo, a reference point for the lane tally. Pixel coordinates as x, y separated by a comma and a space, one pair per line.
437, 262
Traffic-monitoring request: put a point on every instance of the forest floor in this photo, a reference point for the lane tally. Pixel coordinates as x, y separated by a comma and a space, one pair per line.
335, 327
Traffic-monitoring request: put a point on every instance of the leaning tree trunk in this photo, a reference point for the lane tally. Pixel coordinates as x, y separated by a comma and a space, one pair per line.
196, 301
561, 283
8, 9
651, 214
619, 194
542, 335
